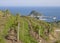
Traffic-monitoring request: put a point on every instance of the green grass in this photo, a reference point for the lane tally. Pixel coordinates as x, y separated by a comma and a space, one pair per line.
24, 33
9, 23
7, 26
40, 26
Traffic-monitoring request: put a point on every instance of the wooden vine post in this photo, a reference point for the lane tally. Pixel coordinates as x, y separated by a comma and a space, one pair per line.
18, 32
18, 25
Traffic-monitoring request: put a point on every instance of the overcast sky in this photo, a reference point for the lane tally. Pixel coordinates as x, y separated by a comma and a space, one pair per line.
30, 3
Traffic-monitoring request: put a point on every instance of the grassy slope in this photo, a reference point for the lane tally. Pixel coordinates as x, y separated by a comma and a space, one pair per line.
42, 26
24, 29
24, 33
10, 21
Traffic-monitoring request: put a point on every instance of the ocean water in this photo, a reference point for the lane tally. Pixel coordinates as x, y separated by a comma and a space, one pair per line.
47, 11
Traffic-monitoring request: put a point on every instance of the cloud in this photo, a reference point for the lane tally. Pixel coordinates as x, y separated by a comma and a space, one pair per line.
29, 2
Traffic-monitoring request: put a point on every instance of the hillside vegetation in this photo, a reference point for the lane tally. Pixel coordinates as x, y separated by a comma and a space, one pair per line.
30, 30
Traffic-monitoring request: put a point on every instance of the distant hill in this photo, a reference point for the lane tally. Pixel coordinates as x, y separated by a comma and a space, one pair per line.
35, 13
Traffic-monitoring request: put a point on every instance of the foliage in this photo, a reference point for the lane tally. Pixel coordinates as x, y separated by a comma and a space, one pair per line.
24, 33
40, 27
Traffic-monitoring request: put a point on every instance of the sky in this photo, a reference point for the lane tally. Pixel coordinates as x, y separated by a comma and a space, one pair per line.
30, 3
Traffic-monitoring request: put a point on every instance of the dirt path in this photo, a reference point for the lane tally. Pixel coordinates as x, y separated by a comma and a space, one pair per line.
9, 41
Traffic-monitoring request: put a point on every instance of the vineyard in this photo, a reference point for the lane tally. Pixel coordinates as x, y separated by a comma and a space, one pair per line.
23, 29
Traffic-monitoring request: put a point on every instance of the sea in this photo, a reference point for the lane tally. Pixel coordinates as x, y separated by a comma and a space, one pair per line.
46, 11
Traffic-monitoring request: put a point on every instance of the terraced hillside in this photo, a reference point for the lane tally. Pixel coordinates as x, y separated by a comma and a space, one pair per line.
17, 29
